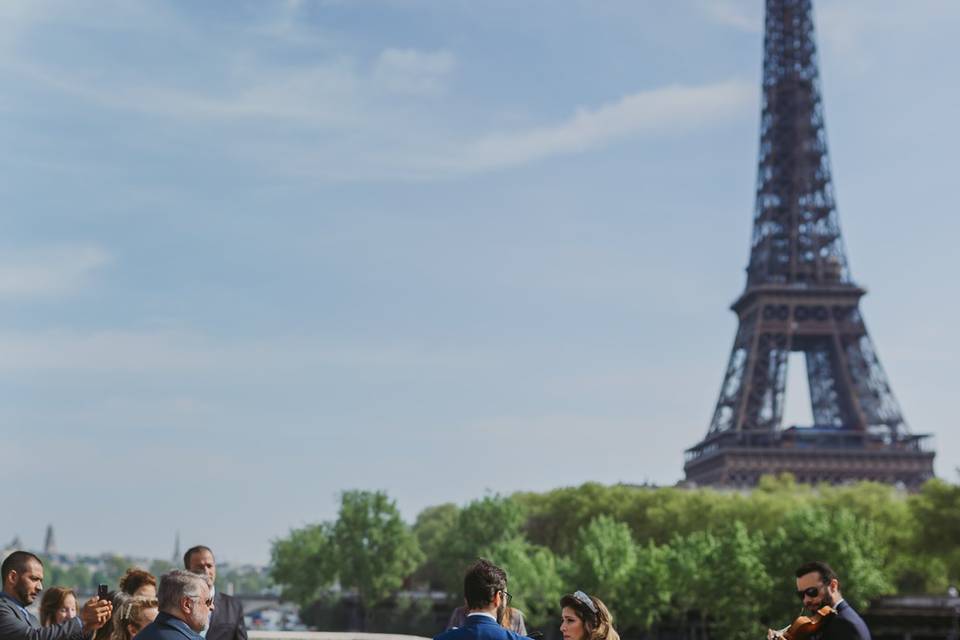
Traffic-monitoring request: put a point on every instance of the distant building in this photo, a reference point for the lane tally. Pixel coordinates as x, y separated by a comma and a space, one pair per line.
49, 543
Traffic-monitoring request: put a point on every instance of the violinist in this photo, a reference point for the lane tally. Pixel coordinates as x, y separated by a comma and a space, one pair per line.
818, 586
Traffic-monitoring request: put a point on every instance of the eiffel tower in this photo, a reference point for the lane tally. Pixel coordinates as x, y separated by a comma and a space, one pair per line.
800, 297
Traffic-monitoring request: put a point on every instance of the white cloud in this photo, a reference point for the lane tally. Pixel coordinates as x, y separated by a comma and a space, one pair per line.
113, 351
319, 95
745, 15
666, 110
349, 119
52, 271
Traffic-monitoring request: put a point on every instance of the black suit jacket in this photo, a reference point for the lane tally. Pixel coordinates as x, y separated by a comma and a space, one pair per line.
226, 621
17, 624
845, 625
845, 611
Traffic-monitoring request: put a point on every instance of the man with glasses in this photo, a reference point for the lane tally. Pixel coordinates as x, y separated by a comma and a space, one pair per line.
185, 603
818, 586
487, 600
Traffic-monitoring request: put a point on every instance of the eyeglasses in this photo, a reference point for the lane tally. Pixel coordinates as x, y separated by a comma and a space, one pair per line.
208, 601
506, 594
809, 592
586, 600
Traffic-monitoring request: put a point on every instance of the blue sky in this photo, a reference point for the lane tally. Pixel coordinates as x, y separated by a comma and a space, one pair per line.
255, 253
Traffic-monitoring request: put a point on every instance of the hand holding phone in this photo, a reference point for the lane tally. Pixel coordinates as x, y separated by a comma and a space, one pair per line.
103, 592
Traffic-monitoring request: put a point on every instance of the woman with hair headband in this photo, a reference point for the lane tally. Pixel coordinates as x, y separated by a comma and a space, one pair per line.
131, 614
585, 617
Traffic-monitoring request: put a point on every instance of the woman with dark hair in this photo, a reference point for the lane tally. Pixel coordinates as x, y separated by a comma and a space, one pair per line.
585, 617
58, 605
137, 582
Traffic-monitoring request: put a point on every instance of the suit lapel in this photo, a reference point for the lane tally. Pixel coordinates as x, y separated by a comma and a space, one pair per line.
21, 613
217, 608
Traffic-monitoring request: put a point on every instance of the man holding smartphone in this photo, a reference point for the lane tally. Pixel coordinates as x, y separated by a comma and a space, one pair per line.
22, 574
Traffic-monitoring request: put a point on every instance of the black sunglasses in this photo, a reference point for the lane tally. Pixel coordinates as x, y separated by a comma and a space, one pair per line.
810, 592
507, 596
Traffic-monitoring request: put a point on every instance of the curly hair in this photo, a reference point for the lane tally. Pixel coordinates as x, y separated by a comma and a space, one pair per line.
53, 598
135, 578
597, 621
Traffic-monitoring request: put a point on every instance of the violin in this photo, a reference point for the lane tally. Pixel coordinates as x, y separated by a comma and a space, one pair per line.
804, 626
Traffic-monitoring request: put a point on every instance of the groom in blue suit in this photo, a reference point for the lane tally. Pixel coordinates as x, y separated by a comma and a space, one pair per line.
485, 592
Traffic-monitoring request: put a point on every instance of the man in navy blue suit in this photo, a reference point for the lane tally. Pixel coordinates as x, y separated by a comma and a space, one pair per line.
485, 592
185, 604
818, 586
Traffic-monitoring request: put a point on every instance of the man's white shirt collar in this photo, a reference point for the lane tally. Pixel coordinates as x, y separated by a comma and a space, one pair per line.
483, 613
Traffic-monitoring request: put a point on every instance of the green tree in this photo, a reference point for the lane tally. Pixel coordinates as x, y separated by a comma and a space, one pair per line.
304, 563
478, 525
721, 576
160, 567
374, 548
245, 580
75, 576
936, 510
554, 518
434, 527
368, 549
649, 591
604, 559
533, 577
687, 559
848, 544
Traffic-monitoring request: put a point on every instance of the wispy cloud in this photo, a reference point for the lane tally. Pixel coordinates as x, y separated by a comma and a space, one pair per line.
427, 153
667, 110
744, 15
412, 71
48, 272
129, 351
347, 115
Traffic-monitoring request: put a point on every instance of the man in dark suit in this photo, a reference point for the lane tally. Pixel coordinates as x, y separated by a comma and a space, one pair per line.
226, 623
185, 604
22, 574
485, 592
818, 586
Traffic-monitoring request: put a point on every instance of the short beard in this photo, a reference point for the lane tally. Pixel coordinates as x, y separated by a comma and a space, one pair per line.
823, 603
23, 595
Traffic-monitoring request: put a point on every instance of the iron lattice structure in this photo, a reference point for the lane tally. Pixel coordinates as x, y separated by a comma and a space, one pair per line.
800, 297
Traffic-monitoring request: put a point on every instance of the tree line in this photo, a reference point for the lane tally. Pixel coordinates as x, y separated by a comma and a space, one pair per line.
720, 560
78, 575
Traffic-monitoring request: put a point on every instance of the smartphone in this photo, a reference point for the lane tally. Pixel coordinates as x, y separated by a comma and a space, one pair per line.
103, 592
